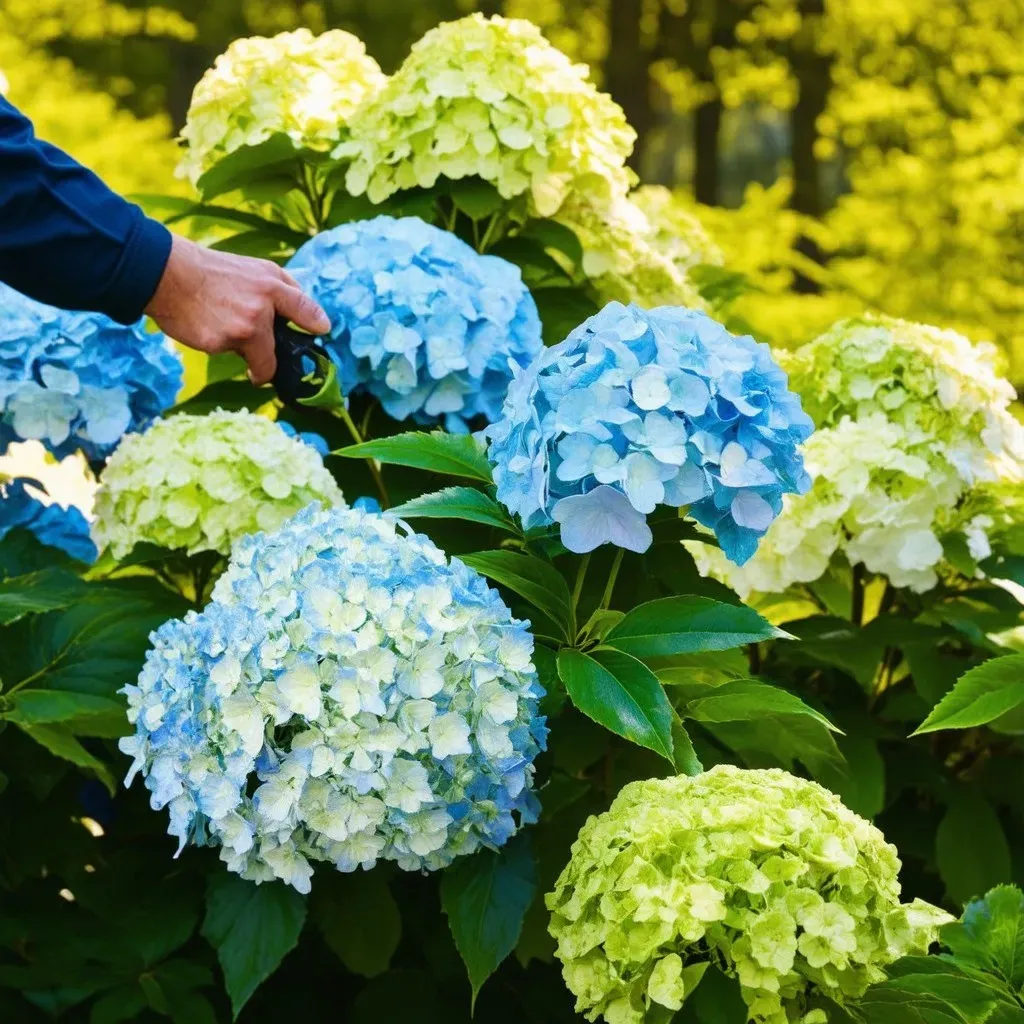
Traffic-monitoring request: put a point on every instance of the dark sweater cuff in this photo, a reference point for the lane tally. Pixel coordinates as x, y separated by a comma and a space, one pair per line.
138, 271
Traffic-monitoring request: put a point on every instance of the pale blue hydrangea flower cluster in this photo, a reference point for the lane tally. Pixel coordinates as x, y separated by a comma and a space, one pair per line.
348, 696
78, 380
53, 525
419, 318
640, 408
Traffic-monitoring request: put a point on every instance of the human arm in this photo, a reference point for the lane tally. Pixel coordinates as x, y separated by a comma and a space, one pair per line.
68, 240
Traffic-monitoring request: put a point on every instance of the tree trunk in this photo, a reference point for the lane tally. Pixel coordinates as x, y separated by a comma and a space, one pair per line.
707, 125
813, 74
627, 71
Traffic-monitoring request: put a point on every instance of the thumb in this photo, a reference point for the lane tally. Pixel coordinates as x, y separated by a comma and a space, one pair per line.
293, 304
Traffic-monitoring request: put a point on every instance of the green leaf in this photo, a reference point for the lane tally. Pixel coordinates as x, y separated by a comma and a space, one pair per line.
716, 1000
539, 270
970, 847
685, 625
452, 454
282, 232
275, 156
226, 394
359, 919
95, 646
224, 366
531, 578
927, 990
458, 503
862, 784
251, 927
990, 935
42, 591
61, 743
562, 310
553, 235
485, 898
683, 755
620, 693
745, 699
475, 197
980, 696
82, 714
261, 245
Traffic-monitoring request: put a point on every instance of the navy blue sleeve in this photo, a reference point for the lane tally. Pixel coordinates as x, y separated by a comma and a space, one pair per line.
67, 239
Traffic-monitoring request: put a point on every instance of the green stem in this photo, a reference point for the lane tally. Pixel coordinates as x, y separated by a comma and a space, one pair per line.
372, 464
606, 597
857, 596
491, 225
581, 575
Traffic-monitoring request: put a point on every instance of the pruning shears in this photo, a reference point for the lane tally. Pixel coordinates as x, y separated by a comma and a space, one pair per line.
306, 376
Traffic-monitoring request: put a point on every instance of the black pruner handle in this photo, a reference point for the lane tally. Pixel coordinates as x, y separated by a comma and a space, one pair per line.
300, 364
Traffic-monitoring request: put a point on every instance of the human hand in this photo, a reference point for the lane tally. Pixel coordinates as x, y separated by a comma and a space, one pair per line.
218, 302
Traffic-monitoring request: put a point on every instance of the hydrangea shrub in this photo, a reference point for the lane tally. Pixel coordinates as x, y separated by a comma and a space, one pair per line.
295, 83
51, 524
784, 887
637, 409
78, 381
199, 483
914, 427
674, 229
489, 98
349, 695
622, 257
419, 319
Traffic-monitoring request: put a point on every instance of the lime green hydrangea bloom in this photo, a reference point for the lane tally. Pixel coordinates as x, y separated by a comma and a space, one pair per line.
491, 98
677, 231
303, 85
765, 874
201, 482
942, 389
619, 258
914, 429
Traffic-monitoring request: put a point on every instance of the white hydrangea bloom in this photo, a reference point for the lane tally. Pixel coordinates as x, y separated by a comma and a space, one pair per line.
621, 257
295, 83
199, 483
348, 695
914, 430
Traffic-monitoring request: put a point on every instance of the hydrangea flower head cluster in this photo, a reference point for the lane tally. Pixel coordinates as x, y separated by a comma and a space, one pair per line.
621, 259
294, 83
419, 319
873, 499
641, 408
490, 98
914, 425
78, 380
348, 696
53, 525
791, 892
941, 389
675, 230
199, 483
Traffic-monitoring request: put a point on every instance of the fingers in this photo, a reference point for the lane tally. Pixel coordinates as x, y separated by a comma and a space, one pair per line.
293, 304
258, 352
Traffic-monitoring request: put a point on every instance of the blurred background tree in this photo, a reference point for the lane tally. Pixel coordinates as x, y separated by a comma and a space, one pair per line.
843, 152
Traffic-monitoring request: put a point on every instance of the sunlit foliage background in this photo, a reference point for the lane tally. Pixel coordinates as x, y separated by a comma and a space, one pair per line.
842, 152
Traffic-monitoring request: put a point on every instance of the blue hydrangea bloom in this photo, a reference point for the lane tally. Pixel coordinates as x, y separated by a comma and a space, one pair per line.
53, 525
639, 408
419, 318
78, 380
348, 695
